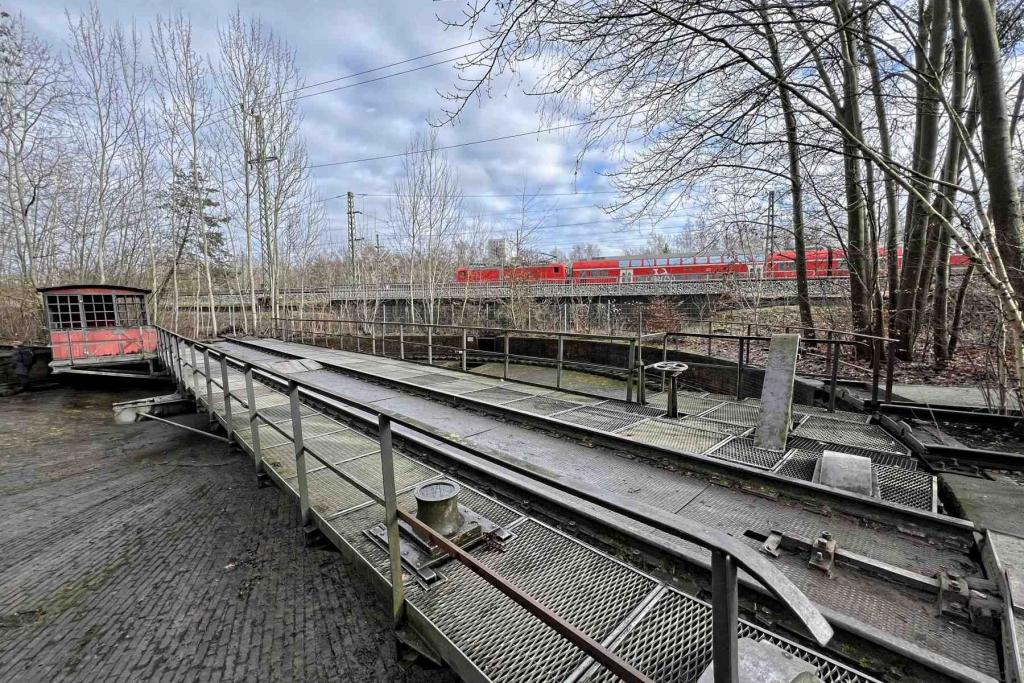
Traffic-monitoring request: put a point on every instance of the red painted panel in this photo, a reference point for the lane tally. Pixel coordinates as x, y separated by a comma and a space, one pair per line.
102, 342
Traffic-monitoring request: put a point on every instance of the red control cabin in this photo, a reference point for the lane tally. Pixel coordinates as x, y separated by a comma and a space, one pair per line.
99, 329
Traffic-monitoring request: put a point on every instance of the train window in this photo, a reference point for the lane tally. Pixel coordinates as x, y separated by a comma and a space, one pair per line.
636, 263
557, 269
624, 263
64, 311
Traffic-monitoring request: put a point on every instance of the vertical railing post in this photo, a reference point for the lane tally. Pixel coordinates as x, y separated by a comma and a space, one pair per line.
209, 385
254, 426
561, 358
739, 370
641, 386
504, 367
631, 364
300, 451
664, 358
176, 348
833, 379
724, 617
401, 341
387, 467
373, 339
709, 335
195, 373
227, 394
890, 367
876, 368
465, 348
430, 344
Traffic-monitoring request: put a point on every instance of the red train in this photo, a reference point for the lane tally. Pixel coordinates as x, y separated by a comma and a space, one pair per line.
778, 265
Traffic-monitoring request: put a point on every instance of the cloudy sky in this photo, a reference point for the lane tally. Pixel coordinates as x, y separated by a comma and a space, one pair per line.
333, 39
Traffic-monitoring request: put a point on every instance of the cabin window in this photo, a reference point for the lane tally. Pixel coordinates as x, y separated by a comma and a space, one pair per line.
64, 311
131, 311
99, 310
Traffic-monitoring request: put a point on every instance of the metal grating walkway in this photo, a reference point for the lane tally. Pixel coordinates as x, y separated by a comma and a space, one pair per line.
604, 597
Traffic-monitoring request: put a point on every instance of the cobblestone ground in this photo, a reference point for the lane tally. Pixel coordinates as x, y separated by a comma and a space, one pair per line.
142, 552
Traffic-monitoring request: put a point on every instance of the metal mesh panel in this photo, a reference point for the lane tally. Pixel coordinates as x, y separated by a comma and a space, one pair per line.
281, 459
542, 405
799, 464
743, 450
878, 457
712, 425
595, 417
672, 642
635, 408
693, 405
504, 640
861, 435
462, 386
280, 412
329, 493
496, 395
341, 445
674, 436
897, 485
312, 426
430, 379
735, 413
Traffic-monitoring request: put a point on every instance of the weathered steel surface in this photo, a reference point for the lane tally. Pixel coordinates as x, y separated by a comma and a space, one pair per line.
776, 412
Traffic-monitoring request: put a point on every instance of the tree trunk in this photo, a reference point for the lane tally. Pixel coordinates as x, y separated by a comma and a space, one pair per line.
795, 182
926, 139
860, 293
1004, 200
892, 266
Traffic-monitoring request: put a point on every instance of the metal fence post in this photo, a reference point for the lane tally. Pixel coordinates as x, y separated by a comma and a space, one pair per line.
629, 375
430, 345
227, 394
465, 348
641, 373
387, 467
401, 341
300, 451
664, 358
504, 367
195, 373
890, 367
254, 426
209, 385
561, 357
833, 379
739, 370
181, 366
724, 617
876, 368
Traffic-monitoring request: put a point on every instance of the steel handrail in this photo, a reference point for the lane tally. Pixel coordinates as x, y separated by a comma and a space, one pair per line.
727, 552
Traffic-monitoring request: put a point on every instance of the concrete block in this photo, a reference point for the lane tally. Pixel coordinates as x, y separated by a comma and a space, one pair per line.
762, 662
777, 393
851, 473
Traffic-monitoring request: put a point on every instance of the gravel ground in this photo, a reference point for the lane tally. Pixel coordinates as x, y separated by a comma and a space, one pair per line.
142, 552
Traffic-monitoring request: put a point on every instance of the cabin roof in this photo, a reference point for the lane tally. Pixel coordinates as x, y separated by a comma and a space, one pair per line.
113, 289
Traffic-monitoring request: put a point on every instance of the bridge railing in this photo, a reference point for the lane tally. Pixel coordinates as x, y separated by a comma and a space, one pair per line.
435, 342
728, 555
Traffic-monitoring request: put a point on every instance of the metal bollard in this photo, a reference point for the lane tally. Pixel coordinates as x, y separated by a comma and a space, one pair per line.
561, 357
465, 348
